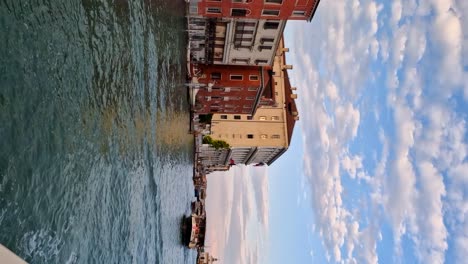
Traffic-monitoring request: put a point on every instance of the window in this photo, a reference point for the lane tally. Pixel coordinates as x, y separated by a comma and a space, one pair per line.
235, 77
236, 60
227, 98
266, 40
253, 77
239, 40
244, 32
275, 136
261, 61
244, 47
223, 116
198, 37
298, 13
267, 12
241, 24
263, 136
247, 106
264, 47
250, 136
250, 98
232, 89
271, 25
237, 117
249, 117
253, 89
213, 10
216, 75
263, 118
239, 12
274, 1
275, 118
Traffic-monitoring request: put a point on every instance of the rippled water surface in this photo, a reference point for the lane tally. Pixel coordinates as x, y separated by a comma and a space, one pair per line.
95, 158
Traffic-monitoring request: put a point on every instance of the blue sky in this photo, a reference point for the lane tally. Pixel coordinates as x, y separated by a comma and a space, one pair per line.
378, 170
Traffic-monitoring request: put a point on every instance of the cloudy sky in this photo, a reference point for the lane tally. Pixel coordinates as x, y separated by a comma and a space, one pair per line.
378, 168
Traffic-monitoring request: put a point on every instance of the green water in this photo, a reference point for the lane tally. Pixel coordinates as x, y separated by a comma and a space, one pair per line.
95, 159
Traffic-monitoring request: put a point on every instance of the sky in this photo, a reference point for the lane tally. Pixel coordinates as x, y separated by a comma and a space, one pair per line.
377, 171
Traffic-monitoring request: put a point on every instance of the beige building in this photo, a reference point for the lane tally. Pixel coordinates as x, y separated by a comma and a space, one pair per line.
229, 41
262, 138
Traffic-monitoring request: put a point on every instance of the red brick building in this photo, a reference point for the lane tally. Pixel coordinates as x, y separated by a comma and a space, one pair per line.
231, 89
258, 9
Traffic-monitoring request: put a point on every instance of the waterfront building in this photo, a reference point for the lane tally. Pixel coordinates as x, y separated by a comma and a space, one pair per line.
204, 257
264, 137
231, 89
255, 9
229, 41
241, 32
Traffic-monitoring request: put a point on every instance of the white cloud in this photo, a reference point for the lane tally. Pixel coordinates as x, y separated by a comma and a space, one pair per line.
237, 214
425, 45
351, 164
396, 12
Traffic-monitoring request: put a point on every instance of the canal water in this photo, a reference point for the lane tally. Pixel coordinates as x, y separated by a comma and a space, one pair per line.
95, 155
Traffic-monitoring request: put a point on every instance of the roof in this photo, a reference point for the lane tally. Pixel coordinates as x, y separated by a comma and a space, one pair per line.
291, 107
314, 8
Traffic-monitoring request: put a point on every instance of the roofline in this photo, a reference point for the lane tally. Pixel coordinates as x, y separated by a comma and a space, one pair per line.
260, 92
277, 156
313, 11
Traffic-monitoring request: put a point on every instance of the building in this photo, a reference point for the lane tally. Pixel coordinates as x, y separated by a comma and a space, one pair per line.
241, 32
204, 257
256, 9
229, 41
261, 138
231, 89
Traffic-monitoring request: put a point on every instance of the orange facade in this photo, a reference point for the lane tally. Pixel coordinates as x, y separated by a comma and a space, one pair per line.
259, 9
231, 89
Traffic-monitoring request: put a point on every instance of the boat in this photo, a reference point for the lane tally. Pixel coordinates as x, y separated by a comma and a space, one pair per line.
194, 230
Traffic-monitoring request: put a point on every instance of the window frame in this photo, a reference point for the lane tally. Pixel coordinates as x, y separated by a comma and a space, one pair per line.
246, 10
294, 14
265, 12
214, 10
271, 2
236, 75
253, 77
213, 76
269, 25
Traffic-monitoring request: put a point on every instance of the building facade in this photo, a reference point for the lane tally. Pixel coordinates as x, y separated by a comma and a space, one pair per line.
241, 32
265, 136
231, 89
256, 9
229, 41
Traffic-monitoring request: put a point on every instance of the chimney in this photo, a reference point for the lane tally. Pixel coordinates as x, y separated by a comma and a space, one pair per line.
294, 96
285, 49
294, 88
287, 67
